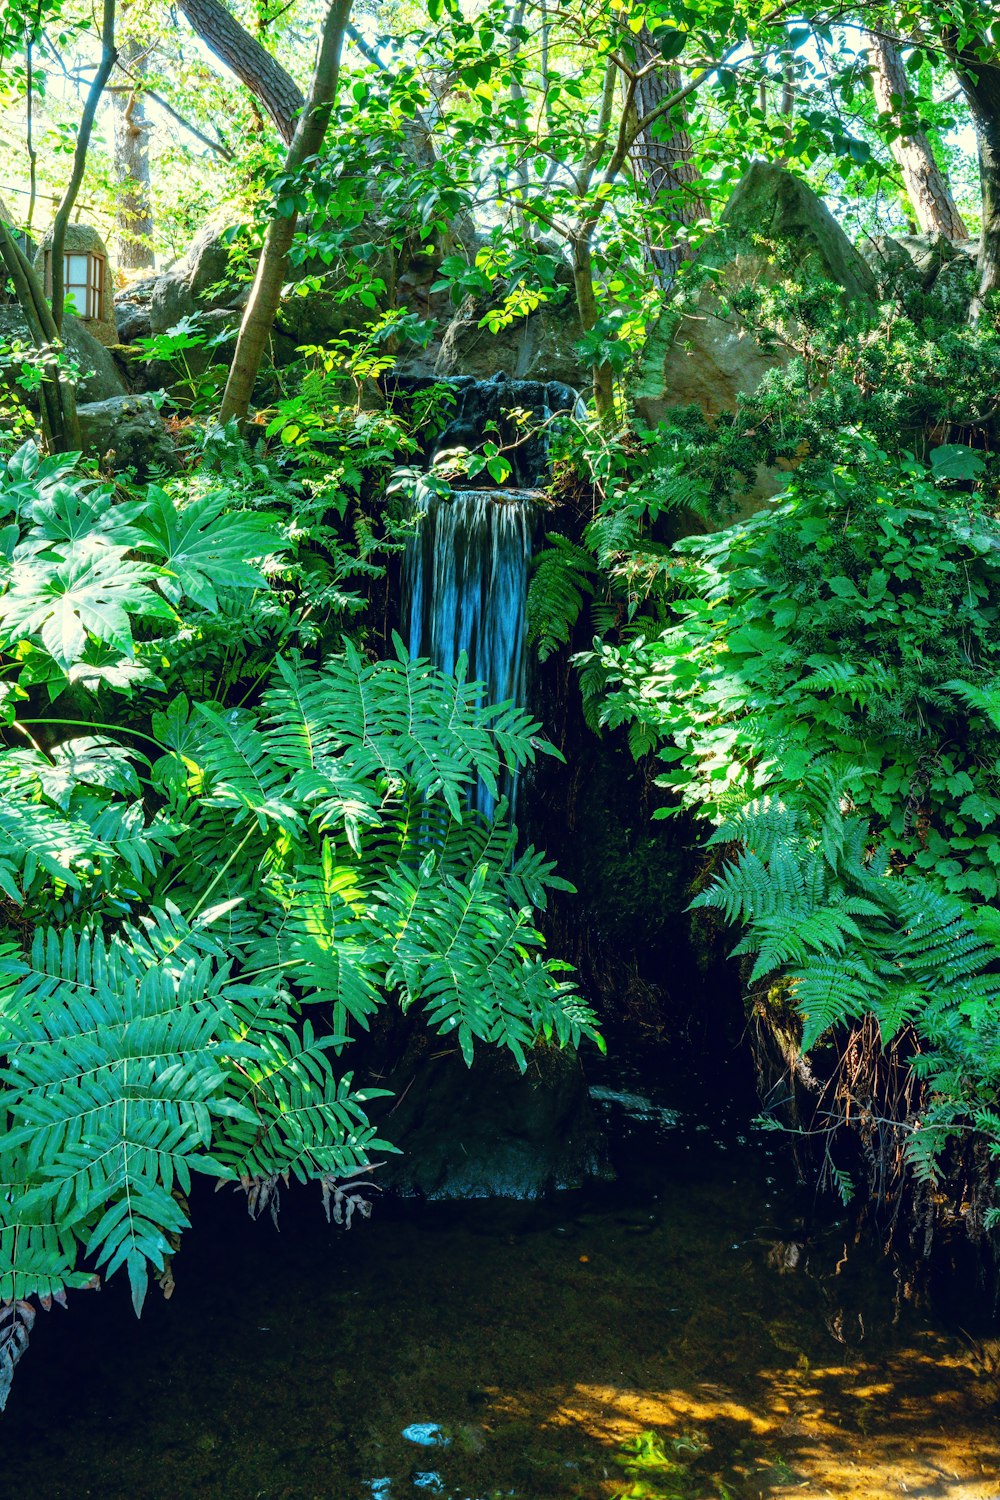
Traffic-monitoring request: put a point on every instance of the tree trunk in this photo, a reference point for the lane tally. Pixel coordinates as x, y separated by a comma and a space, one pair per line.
249, 60
980, 80
134, 211
926, 185
108, 58
664, 166
265, 295
60, 423
586, 302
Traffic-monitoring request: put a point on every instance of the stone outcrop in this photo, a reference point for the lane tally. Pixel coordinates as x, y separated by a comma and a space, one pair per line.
707, 356
131, 428
925, 273
541, 346
99, 378
196, 283
133, 308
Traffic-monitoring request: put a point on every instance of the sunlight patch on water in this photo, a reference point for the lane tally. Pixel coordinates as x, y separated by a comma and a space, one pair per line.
426, 1435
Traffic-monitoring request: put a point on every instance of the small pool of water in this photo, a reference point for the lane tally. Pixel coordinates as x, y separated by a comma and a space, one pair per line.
687, 1333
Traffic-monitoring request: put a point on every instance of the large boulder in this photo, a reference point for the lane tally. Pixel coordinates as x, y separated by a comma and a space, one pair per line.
707, 356
769, 204
98, 379
131, 428
541, 346
200, 280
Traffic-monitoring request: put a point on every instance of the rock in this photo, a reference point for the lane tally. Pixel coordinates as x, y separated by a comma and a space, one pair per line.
132, 310
199, 281
770, 204
133, 322
493, 405
131, 427
540, 346
928, 274
707, 358
490, 1131
99, 379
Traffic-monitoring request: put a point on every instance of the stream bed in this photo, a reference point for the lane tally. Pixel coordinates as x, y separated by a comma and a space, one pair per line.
689, 1332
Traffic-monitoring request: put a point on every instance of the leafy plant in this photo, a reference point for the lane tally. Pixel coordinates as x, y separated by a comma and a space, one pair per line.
195, 930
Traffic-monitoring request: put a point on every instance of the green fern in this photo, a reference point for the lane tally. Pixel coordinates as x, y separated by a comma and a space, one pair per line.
563, 577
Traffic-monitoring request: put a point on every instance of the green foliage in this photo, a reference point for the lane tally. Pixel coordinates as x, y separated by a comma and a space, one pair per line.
561, 579
194, 387
195, 931
826, 625
821, 683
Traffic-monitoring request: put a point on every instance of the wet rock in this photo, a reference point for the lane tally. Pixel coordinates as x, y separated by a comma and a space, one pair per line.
541, 346
131, 428
490, 1131
485, 406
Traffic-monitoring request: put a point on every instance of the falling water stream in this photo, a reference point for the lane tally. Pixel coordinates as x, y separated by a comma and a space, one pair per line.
466, 586
467, 566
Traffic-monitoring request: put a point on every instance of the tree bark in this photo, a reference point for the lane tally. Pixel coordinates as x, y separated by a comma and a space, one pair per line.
664, 166
108, 58
978, 72
60, 423
927, 188
134, 208
253, 65
265, 295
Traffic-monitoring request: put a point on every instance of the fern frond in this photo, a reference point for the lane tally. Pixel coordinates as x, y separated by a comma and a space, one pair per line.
562, 577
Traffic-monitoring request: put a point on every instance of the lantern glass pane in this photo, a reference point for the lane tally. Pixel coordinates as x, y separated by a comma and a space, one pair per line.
76, 272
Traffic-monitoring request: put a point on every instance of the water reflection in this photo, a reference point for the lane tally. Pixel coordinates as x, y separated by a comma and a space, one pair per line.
652, 1338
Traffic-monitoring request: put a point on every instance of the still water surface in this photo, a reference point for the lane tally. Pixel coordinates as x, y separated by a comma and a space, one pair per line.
684, 1334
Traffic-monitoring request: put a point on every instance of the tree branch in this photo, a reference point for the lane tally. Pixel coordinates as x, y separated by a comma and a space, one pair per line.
109, 56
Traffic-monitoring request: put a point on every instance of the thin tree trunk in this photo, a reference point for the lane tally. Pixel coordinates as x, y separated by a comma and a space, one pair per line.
249, 60
926, 184
980, 80
60, 423
586, 303
108, 58
134, 208
265, 295
29, 139
664, 166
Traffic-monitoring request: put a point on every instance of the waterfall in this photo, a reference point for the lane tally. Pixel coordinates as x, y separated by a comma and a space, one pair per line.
466, 568
466, 582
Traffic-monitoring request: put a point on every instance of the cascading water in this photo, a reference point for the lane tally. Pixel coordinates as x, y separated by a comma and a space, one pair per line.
467, 582
466, 568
